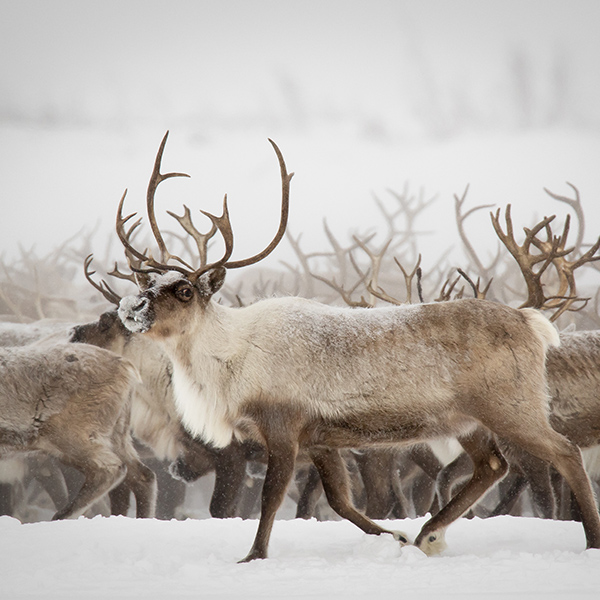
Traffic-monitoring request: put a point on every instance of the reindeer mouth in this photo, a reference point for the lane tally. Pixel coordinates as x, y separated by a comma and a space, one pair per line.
135, 313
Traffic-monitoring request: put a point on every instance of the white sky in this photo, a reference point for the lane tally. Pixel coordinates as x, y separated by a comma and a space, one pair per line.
236, 58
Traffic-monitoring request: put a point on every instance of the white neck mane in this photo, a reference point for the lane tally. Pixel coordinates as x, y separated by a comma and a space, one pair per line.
202, 412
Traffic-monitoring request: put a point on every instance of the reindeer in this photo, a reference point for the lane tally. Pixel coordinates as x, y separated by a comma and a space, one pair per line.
573, 369
72, 402
18, 472
294, 373
573, 373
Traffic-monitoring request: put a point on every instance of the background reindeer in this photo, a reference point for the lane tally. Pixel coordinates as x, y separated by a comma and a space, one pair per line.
573, 367
72, 402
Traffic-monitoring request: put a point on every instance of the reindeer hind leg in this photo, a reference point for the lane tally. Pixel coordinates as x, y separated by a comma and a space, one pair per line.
98, 481
334, 476
565, 457
489, 466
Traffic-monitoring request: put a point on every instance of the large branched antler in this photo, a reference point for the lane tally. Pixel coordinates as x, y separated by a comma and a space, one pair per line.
566, 296
552, 251
525, 259
222, 223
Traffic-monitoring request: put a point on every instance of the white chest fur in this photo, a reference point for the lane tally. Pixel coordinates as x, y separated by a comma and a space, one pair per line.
202, 413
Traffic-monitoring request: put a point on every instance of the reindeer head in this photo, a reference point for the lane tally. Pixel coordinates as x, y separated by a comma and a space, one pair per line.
171, 291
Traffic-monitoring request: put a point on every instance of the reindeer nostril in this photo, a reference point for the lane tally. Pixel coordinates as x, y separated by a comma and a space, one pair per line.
140, 305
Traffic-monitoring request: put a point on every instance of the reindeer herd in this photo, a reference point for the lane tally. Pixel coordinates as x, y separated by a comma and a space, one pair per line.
347, 400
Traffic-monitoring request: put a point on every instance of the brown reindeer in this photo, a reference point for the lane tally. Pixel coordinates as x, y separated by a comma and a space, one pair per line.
573, 369
294, 374
72, 402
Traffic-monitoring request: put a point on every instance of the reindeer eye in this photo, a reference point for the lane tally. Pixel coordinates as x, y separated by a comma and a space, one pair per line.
184, 293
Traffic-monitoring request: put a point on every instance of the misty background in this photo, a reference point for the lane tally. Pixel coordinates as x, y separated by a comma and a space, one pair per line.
362, 97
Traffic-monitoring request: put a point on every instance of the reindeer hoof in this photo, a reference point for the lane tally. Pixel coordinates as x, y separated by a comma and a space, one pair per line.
401, 537
252, 556
432, 543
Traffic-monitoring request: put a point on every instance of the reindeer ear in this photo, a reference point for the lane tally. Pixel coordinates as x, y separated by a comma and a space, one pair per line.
142, 280
210, 283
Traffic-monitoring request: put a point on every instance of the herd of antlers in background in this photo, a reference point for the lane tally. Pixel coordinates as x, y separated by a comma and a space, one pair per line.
539, 272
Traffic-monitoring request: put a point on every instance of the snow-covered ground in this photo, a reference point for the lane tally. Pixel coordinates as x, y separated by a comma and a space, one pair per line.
118, 557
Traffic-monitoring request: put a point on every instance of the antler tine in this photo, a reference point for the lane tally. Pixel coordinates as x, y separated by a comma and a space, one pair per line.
447, 289
460, 224
285, 205
124, 235
223, 224
346, 295
201, 239
154, 266
588, 256
567, 293
375, 259
575, 204
120, 275
155, 180
408, 277
530, 234
477, 292
526, 260
341, 253
103, 287
382, 295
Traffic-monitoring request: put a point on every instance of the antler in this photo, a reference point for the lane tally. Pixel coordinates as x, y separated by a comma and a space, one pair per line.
553, 251
155, 180
285, 207
460, 225
380, 293
153, 265
526, 260
477, 291
575, 204
343, 254
201, 239
219, 223
448, 288
567, 291
103, 287
375, 258
410, 207
346, 295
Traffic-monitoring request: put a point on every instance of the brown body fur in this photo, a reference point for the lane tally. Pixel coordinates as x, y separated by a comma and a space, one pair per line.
72, 402
573, 372
304, 375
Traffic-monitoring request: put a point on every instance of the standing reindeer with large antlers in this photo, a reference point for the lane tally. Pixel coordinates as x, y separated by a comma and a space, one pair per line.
295, 374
